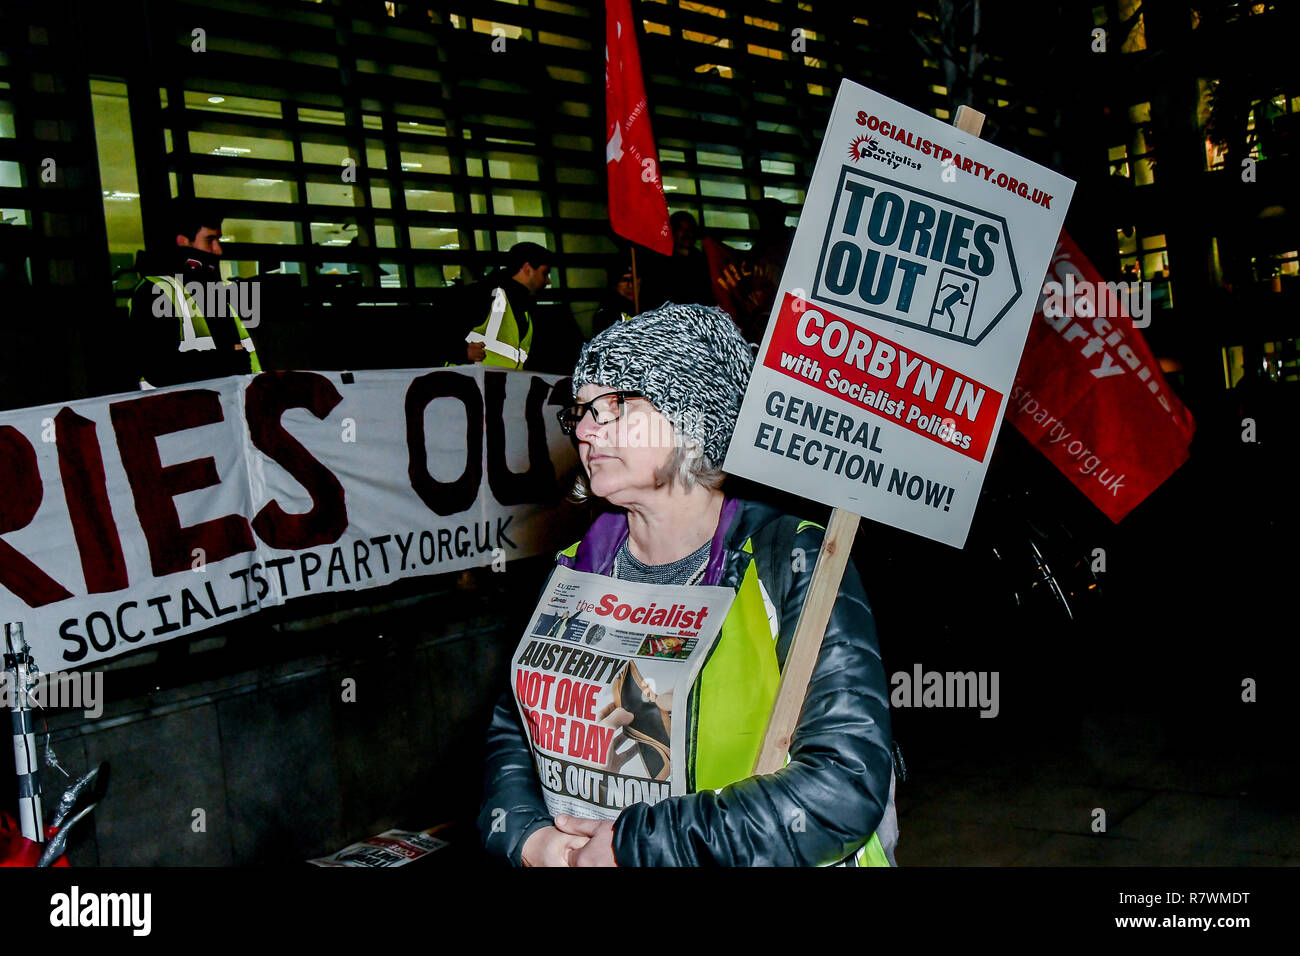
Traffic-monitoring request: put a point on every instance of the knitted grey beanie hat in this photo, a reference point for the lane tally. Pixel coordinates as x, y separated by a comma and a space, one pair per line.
690, 361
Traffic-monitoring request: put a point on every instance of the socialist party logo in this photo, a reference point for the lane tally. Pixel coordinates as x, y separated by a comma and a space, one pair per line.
917, 259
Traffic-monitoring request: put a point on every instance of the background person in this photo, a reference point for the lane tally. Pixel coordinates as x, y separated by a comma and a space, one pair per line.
513, 330
505, 334
184, 337
688, 366
683, 276
619, 303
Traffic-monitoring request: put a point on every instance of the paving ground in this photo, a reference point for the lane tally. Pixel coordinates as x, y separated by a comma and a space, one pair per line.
1172, 796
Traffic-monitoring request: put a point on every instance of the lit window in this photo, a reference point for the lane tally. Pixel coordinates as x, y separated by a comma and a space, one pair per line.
512, 166
1137, 37
217, 103
791, 197
432, 237
719, 218
332, 117
6, 120
1146, 258
330, 154
1118, 156
332, 194
233, 146
696, 37
518, 202
567, 75
718, 159
722, 189
557, 39
499, 29
429, 200
262, 231
255, 189
703, 8
1140, 152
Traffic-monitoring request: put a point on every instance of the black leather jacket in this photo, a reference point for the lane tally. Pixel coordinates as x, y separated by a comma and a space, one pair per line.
819, 809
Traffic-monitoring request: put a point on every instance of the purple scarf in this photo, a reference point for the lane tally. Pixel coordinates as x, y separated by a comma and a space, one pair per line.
608, 532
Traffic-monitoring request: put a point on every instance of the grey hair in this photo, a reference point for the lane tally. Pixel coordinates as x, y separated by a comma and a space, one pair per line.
687, 465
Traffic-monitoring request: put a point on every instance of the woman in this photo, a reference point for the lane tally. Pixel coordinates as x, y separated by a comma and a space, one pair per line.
681, 371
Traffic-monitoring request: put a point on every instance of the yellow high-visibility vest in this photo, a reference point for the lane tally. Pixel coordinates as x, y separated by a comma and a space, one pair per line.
194, 333
734, 694
499, 334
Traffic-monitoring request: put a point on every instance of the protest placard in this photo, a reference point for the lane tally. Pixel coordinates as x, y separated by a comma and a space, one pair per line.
903, 309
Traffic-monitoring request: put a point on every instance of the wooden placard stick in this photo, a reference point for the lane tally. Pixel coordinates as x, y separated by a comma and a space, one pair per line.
822, 591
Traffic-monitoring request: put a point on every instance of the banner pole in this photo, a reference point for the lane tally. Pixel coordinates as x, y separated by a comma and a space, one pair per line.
18, 663
820, 598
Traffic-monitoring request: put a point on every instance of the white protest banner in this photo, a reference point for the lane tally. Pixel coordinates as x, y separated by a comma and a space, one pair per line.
603, 679
137, 518
902, 313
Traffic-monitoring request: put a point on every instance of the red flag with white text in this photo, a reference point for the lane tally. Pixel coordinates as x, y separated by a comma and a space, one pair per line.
637, 208
1089, 394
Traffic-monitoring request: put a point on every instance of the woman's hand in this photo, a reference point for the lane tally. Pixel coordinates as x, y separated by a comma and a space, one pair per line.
552, 847
599, 840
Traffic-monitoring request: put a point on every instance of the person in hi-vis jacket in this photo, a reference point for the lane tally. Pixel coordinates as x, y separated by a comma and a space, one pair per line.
679, 372
504, 337
184, 318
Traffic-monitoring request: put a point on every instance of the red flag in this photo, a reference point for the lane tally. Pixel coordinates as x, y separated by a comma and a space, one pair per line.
1089, 394
637, 208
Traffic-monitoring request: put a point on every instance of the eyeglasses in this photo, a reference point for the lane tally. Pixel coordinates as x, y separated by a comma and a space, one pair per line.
604, 409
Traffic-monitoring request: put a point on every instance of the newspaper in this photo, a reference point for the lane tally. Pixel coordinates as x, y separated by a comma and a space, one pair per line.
390, 848
603, 678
